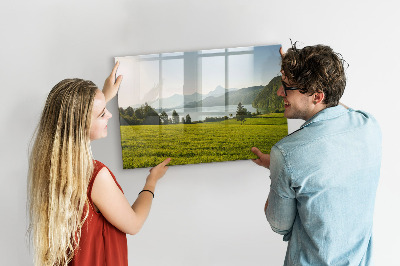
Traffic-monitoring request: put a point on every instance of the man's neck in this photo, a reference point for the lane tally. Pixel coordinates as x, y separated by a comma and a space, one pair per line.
318, 108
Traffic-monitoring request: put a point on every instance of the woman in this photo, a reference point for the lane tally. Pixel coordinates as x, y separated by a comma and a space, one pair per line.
78, 212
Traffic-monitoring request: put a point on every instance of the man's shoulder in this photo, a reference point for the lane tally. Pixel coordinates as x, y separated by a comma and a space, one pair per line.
349, 123
364, 116
292, 142
361, 122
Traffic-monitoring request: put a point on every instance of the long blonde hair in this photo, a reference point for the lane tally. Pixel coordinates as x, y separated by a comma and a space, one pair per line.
60, 167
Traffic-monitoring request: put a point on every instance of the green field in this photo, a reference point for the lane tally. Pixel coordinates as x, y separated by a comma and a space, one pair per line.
148, 145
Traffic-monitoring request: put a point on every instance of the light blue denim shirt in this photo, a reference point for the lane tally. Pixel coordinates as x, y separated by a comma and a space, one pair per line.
323, 183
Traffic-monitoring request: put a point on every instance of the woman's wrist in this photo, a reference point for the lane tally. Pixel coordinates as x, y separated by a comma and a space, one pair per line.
150, 185
147, 190
151, 180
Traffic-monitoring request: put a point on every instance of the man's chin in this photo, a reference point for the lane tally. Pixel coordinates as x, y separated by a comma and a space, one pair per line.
287, 114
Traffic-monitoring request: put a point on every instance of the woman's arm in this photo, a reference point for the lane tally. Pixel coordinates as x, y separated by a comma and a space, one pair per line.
114, 206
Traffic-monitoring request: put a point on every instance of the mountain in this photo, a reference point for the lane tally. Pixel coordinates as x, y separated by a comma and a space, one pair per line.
172, 101
218, 91
245, 96
267, 99
179, 100
215, 97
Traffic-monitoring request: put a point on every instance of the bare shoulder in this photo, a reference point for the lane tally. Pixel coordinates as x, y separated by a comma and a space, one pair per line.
111, 202
103, 185
104, 175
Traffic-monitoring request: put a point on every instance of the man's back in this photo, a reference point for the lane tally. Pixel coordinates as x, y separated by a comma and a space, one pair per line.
327, 174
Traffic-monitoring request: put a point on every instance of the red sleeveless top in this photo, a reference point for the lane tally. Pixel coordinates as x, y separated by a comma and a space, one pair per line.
101, 243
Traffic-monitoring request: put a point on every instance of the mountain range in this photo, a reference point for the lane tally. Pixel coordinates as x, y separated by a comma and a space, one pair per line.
179, 100
244, 95
267, 99
260, 97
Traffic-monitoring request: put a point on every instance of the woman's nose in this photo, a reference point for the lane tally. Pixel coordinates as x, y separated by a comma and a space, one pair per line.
109, 114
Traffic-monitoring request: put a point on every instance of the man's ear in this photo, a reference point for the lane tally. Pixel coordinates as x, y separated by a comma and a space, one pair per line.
318, 97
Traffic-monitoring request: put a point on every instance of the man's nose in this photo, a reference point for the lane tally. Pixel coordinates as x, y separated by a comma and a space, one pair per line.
280, 91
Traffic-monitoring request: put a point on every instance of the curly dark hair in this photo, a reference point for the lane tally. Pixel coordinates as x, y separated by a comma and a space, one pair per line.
316, 69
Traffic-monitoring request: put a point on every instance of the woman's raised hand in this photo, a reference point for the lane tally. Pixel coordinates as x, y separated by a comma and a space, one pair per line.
111, 85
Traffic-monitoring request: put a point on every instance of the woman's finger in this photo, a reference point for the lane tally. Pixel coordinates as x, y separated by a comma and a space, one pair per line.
166, 161
118, 81
114, 71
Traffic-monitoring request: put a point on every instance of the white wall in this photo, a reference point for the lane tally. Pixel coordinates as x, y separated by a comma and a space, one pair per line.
208, 214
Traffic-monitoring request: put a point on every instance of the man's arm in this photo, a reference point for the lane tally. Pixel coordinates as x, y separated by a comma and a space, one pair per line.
266, 206
280, 213
280, 208
345, 106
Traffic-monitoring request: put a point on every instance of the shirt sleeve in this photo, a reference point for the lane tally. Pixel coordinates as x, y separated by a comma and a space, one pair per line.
281, 210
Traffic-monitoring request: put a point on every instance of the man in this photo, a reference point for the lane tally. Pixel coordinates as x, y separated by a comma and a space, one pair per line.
323, 176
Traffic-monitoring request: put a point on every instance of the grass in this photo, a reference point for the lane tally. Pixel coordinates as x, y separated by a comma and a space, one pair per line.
148, 145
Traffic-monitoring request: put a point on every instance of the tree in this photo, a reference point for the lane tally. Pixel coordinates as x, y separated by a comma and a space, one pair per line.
139, 113
144, 115
188, 119
175, 117
150, 116
164, 118
183, 120
128, 116
129, 111
241, 113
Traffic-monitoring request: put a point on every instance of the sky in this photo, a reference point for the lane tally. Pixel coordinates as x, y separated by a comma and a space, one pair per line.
147, 78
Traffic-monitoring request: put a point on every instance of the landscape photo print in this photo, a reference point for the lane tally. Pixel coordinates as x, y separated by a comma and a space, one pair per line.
200, 106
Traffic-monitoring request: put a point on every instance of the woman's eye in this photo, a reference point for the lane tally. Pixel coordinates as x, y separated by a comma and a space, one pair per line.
103, 114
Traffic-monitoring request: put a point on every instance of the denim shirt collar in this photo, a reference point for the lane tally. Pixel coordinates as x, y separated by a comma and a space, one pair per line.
326, 114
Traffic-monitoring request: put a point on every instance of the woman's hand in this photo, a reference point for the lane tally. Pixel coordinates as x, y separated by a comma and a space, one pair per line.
158, 171
111, 85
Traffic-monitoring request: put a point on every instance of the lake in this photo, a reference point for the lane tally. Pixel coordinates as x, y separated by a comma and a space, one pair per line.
200, 113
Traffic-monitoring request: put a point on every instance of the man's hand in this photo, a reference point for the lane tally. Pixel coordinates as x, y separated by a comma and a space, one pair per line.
345, 106
281, 52
263, 158
111, 85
